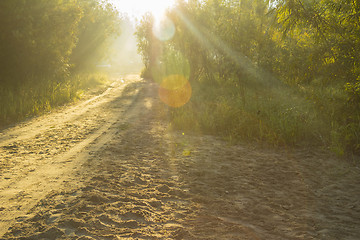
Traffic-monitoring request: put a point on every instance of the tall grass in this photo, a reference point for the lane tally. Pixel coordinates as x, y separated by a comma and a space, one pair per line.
253, 110
33, 97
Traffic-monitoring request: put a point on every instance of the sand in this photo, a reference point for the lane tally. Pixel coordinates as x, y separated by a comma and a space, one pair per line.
111, 168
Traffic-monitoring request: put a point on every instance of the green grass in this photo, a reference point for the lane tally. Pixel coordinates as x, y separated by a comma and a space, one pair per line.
276, 114
35, 97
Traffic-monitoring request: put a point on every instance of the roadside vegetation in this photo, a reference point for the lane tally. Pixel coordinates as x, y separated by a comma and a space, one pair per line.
285, 73
49, 52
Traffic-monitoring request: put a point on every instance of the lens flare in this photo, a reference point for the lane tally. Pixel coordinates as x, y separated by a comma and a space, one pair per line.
164, 29
175, 91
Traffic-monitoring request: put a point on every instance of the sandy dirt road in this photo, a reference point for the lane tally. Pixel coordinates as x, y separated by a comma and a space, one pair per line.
110, 168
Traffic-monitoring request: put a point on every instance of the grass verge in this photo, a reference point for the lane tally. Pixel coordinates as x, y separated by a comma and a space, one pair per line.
276, 114
36, 96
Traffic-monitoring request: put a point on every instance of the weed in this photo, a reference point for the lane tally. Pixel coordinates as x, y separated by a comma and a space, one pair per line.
36, 97
279, 115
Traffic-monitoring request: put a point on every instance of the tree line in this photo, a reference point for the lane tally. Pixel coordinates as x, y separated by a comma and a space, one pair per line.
44, 45
284, 71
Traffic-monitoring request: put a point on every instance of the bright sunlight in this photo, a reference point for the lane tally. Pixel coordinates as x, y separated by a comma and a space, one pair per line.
179, 119
136, 8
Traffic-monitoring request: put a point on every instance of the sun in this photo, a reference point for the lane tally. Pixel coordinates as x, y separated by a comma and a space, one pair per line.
136, 8
158, 9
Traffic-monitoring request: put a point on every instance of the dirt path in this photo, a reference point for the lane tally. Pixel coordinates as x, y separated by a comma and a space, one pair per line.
109, 168
41, 155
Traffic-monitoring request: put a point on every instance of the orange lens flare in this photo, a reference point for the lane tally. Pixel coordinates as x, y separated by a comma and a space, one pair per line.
175, 91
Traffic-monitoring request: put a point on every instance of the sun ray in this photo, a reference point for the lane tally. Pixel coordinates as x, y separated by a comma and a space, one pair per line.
136, 8
211, 41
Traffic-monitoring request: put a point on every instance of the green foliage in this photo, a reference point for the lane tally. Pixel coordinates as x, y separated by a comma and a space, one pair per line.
354, 93
332, 32
37, 38
42, 44
99, 23
33, 97
270, 71
278, 116
146, 41
89, 81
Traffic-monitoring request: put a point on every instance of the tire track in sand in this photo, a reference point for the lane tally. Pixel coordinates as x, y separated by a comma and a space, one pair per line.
26, 181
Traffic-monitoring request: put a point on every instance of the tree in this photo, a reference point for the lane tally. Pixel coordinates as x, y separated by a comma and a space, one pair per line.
100, 22
37, 38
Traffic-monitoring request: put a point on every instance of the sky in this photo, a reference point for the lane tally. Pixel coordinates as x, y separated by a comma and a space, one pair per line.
136, 8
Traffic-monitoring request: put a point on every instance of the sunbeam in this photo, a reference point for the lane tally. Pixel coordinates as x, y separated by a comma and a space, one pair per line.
213, 42
136, 8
